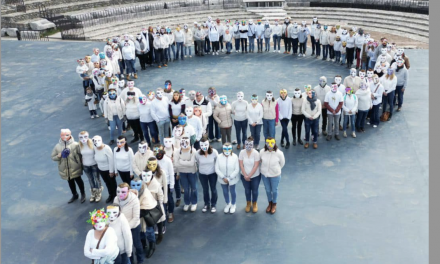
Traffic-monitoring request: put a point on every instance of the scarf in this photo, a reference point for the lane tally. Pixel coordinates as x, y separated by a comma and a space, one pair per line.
399, 68
312, 102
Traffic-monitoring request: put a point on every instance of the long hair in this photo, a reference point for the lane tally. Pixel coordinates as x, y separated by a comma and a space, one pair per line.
89, 141
201, 152
390, 77
126, 147
273, 97
274, 148
180, 98
158, 172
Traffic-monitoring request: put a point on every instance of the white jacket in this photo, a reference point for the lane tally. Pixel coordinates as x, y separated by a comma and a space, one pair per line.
167, 166
99, 82
388, 85
196, 123
137, 46
123, 232
120, 107
214, 34
259, 31
131, 209
324, 37
377, 91
350, 104
108, 247
276, 30
227, 167
160, 42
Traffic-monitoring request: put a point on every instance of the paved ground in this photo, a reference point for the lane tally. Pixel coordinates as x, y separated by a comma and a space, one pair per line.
362, 200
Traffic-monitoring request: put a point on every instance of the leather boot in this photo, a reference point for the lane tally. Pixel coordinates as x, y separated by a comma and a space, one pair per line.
152, 248
92, 195
135, 75
274, 208
177, 203
128, 77
269, 207
294, 142
254, 207
74, 197
159, 238
248, 206
83, 197
300, 141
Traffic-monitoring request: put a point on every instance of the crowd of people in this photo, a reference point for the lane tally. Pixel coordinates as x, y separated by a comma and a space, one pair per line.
175, 131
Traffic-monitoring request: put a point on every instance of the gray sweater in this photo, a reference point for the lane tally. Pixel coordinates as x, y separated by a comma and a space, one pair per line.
402, 77
302, 36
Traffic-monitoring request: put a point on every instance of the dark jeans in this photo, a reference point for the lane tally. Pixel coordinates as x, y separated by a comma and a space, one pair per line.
207, 45
196, 48
136, 126
256, 133
121, 259
93, 112
125, 176
110, 182
302, 48
237, 44
297, 121
276, 42
324, 119
160, 56
199, 47
325, 51
331, 52
287, 44
170, 205
80, 184
153, 131
251, 188
337, 56
358, 57
226, 134
241, 129
129, 64
243, 44
215, 46
221, 42
179, 50
360, 121
260, 43
399, 95
312, 38
312, 126
375, 118
149, 57
142, 60
209, 182
388, 100
318, 48
213, 130
137, 244
93, 176
295, 45
189, 182
350, 55
177, 189
284, 133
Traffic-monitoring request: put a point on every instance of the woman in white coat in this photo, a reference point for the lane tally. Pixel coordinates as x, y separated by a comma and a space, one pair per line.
119, 223
227, 169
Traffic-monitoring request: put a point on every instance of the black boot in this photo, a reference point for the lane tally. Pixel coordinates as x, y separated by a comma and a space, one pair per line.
159, 238
83, 197
74, 197
109, 199
282, 143
389, 118
294, 142
300, 141
151, 249
287, 145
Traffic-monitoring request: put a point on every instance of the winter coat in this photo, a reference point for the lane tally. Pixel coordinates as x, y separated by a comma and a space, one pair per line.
227, 167
222, 115
70, 167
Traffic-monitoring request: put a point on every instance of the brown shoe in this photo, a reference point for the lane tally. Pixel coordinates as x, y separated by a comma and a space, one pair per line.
248, 206
269, 207
274, 208
340, 128
165, 65
127, 77
315, 145
135, 76
306, 145
177, 203
159, 66
171, 218
238, 146
254, 207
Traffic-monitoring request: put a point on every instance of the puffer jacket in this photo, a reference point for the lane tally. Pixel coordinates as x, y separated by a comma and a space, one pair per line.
70, 167
222, 115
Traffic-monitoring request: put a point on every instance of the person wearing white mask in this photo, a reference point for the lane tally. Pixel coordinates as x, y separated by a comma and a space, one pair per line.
364, 105
132, 114
160, 114
227, 38
206, 158
267, 34
341, 88
389, 82
286, 35
294, 30
297, 116
252, 30
277, 32
249, 160
141, 157
259, 34
311, 109
104, 159
114, 111
196, 123
243, 29
376, 96
349, 108
239, 110
160, 44
142, 48
179, 37
402, 81
302, 39
227, 169
270, 115
188, 43
222, 115
90, 166
312, 33
148, 125
214, 37
321, 91
333, 103
353, 81
119, 223
317, 35
236, 34
254, 115
285, 113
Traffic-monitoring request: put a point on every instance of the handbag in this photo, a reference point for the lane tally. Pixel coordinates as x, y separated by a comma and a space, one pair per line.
384, 117
97, 246
153, 215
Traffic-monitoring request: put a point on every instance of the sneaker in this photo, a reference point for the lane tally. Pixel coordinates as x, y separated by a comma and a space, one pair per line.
279, 51
228, 206
185, 208
368, 123
210, 141
205, 209
234, 142
96, 116
374, 126
299, 55
274, 51
219, 140
213, 53
190, 56
232, 210
216, 53
122, 76
353, 134
345, 134
193, 207
92, 117
213, 210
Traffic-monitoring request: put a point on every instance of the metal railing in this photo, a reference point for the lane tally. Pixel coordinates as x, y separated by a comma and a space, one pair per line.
31, 35
410, 6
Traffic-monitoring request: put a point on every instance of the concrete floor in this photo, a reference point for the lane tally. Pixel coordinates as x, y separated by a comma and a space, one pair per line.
362, 200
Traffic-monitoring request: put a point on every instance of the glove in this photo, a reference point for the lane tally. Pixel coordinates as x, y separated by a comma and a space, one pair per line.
65, 153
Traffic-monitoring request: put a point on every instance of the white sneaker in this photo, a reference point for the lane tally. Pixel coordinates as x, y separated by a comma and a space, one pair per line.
228, 206
232, 210
96, 116
184, 56
210, 141
279, 51
122, 76
353, 134
368, 123
234, 142
190, 56
185, 208
236, 51
219, 140
109, 128
345, 134
205, 209
213, 53
193, 207
92, 117
213, 210
374, 126
299, 55
222, 50
216, 53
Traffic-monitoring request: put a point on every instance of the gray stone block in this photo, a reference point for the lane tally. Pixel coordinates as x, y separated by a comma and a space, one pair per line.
12, 32
3, 31
41, 24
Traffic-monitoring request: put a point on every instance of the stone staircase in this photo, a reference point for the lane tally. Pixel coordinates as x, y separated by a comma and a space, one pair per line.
270, 14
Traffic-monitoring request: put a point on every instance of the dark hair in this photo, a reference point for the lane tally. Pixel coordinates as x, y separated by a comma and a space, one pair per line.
158, 169
369, 69
126, 147
297, 89
333, 83
273, 98
201, 152
254, 95
168, 81
362, 71
338, 76
250, 138
274, 148
178, 100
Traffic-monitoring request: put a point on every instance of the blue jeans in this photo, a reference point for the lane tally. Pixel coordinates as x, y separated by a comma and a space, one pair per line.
399, 95
207, 45
337, 56
352, 122
164, 128
360, 120
188, 50
285, 131
229, 189
189, 182
213, 130
145, 126
179, 50
229, 46
251, 43
388, 100
115, 122
251, 188
276, 41
237, 44
137, 244
268, 128
209, 182
255, 133
312, 126
121, 66
343, 56
177, 189
271, 186
173, 49
267, 44
295, 45
93, 176
151, 237
241, 128
371, 64
170, 205
130, 66
259, 43
375, 118
325, 51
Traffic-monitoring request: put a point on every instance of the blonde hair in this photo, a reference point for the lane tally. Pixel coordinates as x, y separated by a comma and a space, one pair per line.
388, 76
89, 141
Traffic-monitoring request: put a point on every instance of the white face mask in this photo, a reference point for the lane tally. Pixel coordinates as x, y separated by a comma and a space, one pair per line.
297, 94
99, 226
204, 145
130, 84
240, 96
185, 143
189, 112
383, 59
303, 23
159, 94
97, 141
113, 214
178, 131
370, 74
353, 73
315, 19
376, 80
83, 138
168, 143
338, 80
121, 83
362, 75
147, 176
269, 96
143, 148
384, 51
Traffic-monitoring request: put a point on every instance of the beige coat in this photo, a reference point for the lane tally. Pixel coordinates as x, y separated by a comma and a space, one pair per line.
222, 115
156, 191
70, 167
140, 161
147, 202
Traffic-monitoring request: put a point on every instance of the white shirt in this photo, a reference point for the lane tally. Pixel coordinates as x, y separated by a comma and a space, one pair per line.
196, 123
249, 161
333, 99
104, 159
239, 110
255, 114
123, 160
159, 109
145, 112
